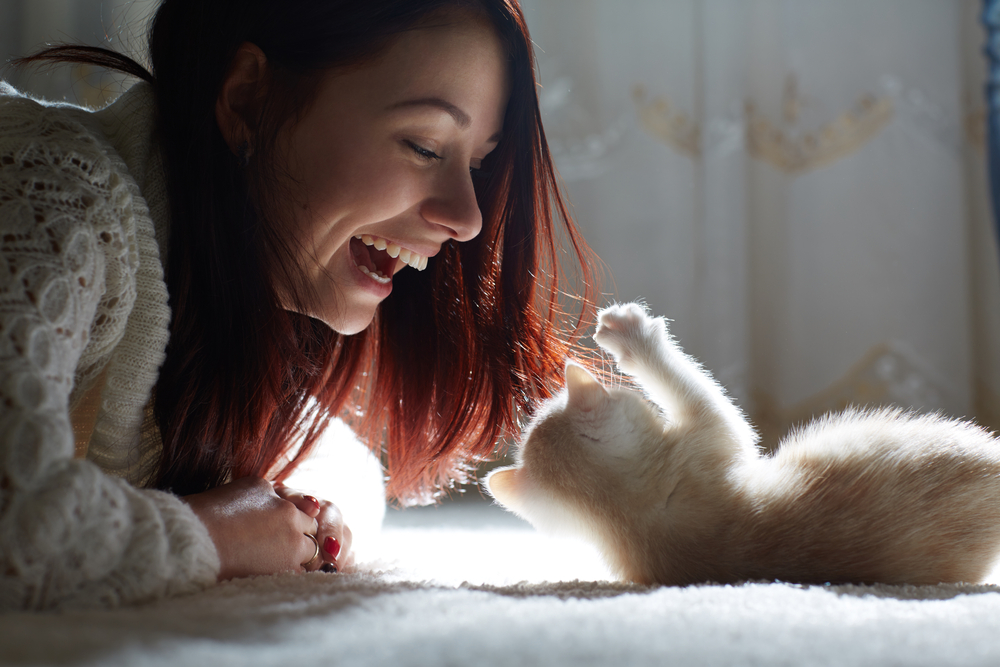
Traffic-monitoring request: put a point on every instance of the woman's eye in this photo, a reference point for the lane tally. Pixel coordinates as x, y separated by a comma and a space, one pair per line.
422, 152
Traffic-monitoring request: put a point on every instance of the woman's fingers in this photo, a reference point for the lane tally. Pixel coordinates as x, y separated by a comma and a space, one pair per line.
332, 536
304, 502
304, 523
308, 508
335, 538
331, 545
310, 552
313, 558
326, 525
256, 531
345, 544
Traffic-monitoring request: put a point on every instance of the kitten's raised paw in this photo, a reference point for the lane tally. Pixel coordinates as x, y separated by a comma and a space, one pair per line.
621, 316
623, 330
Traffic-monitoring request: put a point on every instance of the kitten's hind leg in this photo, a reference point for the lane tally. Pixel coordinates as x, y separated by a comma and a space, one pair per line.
643, 348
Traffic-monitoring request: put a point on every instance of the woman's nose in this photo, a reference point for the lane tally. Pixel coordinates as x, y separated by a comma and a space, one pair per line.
453, 206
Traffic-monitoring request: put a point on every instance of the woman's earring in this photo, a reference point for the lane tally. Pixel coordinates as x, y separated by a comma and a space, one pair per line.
244, 153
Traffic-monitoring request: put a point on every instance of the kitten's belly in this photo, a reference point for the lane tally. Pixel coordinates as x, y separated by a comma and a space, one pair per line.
903, 527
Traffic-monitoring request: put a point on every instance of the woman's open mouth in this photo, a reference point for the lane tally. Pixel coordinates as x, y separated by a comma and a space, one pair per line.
378, 258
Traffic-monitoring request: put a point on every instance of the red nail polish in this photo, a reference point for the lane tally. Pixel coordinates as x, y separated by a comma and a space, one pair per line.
331, 546
313, 501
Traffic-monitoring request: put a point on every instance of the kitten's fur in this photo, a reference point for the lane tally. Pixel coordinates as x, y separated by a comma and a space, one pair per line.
682, 495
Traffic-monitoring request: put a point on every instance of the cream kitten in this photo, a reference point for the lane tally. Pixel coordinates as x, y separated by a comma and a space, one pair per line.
681, 494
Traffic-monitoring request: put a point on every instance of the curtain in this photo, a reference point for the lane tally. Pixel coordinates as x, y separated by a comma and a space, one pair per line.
29, 25
799, 186
991, 21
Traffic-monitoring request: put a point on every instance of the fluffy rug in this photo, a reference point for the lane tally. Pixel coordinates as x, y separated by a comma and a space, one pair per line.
466, 584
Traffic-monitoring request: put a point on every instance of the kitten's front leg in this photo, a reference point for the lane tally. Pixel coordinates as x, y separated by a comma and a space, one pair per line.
643, 348
630, 335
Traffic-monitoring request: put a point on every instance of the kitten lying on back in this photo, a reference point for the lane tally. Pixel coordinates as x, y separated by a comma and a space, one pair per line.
878, 496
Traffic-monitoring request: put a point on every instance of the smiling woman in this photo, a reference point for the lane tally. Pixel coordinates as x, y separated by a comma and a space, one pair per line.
356, 215
384, 154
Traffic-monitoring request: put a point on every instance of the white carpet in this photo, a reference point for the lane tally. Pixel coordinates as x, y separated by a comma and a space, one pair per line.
562, 613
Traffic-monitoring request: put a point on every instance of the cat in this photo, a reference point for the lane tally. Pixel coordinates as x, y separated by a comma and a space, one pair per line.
678, 492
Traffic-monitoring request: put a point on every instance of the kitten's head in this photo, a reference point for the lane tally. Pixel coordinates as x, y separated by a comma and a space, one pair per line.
586, 460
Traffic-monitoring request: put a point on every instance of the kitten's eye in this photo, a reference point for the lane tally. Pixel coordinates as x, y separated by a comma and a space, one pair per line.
423, 153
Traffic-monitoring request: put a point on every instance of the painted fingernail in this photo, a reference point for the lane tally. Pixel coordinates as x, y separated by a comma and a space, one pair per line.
331, 546
329, 568
313, 501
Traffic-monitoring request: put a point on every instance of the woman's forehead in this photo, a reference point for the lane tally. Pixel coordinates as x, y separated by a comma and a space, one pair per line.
458, 53
456, 66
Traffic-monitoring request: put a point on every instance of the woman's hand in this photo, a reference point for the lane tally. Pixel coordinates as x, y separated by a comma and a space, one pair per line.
256, 531
333, 535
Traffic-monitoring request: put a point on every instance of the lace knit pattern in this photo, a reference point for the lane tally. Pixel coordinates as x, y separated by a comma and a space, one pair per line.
81, 293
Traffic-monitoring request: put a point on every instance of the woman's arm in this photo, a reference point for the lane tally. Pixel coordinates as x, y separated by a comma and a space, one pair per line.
69, 534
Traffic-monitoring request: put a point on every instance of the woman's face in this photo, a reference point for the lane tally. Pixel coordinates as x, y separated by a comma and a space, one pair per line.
380, 163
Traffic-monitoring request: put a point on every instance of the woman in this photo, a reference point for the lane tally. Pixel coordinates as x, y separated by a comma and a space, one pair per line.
350, 203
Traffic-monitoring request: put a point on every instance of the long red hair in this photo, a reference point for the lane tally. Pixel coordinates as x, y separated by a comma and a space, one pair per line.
455, 355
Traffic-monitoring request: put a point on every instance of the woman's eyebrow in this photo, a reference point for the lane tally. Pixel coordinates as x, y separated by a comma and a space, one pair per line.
462, 119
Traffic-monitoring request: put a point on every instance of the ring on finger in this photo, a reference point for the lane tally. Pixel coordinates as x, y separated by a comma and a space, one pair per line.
315, 554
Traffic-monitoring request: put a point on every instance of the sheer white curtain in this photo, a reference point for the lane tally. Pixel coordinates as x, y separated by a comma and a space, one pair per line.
799, 185
28, 25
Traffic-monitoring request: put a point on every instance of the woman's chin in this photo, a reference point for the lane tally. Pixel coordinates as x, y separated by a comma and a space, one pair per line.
354, 320
350, 312
347, 324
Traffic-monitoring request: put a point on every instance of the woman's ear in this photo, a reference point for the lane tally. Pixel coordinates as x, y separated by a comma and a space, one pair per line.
237, 102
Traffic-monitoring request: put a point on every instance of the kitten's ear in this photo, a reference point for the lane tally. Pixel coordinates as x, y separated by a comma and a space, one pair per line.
504, 484
585, 392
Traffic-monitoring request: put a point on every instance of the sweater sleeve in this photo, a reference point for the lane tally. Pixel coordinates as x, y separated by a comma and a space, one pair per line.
70, 535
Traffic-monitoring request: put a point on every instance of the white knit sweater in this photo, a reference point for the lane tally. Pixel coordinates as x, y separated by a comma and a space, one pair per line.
83, 211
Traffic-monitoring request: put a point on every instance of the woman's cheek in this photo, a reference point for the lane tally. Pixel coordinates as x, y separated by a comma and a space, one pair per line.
395, 193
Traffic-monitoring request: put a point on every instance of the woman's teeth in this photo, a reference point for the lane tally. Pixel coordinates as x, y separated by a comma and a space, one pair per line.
417, 261
377, 276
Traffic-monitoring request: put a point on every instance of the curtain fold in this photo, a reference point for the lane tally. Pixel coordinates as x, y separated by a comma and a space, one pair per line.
991, 49
799, 186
